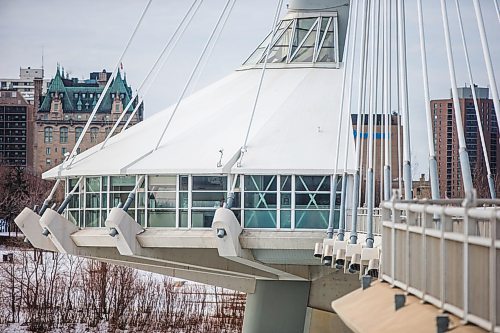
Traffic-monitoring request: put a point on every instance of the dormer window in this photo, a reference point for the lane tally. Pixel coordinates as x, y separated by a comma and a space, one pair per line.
83, 95
122, 96
76, 95
61, 95
112, 95
52, 94
91, 95
98, 95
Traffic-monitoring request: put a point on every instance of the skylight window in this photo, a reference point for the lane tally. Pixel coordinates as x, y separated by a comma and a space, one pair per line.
301, 40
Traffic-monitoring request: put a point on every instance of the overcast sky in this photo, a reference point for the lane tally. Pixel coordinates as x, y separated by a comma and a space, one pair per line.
86, 36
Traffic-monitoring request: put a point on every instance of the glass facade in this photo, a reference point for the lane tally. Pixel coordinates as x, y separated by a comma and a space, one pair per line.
301, 40
285, 202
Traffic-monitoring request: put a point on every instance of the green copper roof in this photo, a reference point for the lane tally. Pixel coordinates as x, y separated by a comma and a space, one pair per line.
82, 96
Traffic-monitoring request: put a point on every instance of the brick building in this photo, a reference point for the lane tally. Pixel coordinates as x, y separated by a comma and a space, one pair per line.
66, 108
379, 136
446, 140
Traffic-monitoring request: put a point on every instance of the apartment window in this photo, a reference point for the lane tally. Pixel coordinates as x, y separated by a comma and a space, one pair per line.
48, 161
94, 131
47, 151
63, 151
47, 134
78, 132
63, 135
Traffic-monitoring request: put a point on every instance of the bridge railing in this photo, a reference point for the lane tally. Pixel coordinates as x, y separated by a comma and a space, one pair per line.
446, 254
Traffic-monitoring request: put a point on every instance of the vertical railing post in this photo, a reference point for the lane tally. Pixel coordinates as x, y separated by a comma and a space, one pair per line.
393, 236
442, 263
410, 220
425, 224
465, 273
493, 272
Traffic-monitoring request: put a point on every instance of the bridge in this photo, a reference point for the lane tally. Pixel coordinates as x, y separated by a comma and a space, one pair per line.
291, 180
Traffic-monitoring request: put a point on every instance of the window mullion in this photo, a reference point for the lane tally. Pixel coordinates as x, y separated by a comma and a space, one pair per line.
84, 208
316, 42
278, 202
177, 201
146, 201
336, 40
323, 38
293, 203
242, 200
290, 44
190, 198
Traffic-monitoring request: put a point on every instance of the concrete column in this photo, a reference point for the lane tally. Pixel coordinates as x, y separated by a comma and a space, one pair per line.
276, 307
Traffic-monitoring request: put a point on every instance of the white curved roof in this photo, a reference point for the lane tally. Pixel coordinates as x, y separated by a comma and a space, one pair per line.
294, 130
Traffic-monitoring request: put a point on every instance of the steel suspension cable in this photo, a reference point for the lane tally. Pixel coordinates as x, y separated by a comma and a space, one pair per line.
497, 10
333, 185
386, 101
366, 93
186, 86
347, 125
430, 137
491, 181
259, 87
487, 60
211, 49
404, 100
398, 106
369, 187
155, 68
356, 184
464, 156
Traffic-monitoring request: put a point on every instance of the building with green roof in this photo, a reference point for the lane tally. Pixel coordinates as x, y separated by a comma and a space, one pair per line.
66, 107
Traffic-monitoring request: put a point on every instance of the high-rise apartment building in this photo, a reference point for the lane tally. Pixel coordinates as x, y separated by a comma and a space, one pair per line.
26, 84
446, 140
16, 122
67, 106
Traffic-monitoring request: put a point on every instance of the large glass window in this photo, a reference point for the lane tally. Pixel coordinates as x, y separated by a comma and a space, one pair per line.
208, 194
47, 134
185, 201
312, 202
260, 201
301, 40
162, 201
78, 132
74, 211
94, 133
120, 188
63, 135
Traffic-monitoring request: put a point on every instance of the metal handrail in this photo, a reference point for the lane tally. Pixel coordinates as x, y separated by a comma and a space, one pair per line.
445, 255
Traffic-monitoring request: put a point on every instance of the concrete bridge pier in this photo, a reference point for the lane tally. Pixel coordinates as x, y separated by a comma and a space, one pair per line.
277, 307
296, 306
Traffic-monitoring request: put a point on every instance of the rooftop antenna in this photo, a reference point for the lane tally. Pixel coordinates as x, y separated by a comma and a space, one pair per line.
42, 64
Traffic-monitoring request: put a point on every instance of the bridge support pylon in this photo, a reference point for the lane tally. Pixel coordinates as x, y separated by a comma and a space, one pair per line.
277, 307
